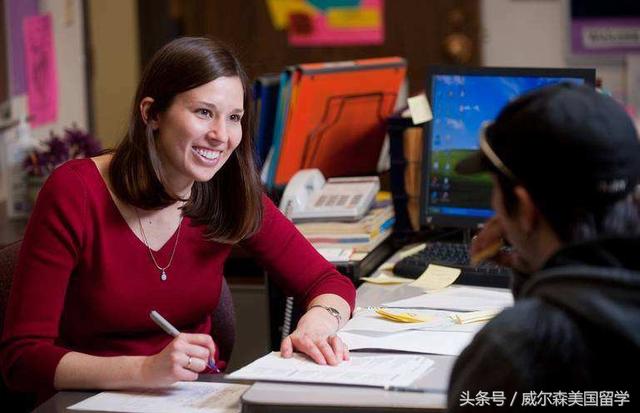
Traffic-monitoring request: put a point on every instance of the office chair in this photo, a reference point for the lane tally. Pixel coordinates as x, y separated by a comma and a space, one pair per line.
223, 323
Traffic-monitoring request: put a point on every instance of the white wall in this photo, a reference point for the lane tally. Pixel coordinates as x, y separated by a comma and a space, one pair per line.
536, 33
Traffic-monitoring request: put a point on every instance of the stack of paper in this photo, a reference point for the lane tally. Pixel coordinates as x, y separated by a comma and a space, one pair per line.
182, 397
368, 320
451, 317
382, 370
458, 298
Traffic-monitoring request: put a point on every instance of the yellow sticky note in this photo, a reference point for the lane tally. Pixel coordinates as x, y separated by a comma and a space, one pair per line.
420, 109
353, 17
436, 277
401, 317
384, 278
474, 316
279, 10
387, 266
411, 251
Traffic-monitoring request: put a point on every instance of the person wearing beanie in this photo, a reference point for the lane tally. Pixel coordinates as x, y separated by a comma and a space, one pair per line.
565, 162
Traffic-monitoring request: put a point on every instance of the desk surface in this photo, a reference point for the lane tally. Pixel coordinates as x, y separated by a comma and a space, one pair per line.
285, 397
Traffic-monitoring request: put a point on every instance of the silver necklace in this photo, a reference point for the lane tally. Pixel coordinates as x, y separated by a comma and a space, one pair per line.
163, 272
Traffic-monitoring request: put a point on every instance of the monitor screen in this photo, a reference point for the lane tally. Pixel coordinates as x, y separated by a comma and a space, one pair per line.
462, 101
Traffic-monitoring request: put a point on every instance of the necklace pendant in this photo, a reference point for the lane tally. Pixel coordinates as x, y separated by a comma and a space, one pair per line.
163, 276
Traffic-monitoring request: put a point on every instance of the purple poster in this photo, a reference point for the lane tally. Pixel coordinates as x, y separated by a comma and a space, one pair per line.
15, 12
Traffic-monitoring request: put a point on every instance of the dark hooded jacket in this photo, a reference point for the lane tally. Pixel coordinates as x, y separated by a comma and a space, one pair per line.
575, 327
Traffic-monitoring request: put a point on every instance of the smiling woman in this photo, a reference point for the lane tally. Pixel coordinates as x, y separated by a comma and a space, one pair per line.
148, 227
188, 88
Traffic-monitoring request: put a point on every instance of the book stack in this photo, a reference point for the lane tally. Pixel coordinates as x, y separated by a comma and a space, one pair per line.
361, 236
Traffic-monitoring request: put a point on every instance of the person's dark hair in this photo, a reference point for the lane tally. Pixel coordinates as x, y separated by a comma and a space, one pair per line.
230, 203
572, 224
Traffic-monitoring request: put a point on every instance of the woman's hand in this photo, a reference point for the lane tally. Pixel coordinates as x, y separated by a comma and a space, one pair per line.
315, 337
181, 360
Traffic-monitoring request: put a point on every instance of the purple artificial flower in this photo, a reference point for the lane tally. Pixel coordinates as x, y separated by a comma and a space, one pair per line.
74, 144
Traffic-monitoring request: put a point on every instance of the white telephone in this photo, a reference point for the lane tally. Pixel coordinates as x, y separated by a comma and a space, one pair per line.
308, 197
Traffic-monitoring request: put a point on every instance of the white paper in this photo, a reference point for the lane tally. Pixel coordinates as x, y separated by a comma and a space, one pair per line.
458, 298
449, 343
336, 254
420, 109
385, 278
182, 397
368, 320
379, 370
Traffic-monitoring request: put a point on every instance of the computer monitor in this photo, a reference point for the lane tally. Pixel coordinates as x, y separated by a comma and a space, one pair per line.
462, 101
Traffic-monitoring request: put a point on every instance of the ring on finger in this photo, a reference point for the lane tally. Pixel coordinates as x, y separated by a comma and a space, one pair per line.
188, 363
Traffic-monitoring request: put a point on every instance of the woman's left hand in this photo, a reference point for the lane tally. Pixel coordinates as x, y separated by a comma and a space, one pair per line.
316, 337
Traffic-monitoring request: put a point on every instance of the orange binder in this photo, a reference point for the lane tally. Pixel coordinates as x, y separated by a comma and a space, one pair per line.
336, 117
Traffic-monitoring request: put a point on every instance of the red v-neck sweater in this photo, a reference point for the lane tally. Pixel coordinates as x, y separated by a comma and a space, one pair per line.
84, 282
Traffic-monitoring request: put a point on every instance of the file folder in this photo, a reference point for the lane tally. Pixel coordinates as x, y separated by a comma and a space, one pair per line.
265, 89
332, 117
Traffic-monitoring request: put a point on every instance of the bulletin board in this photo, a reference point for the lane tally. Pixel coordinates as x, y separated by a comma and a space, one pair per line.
422, 31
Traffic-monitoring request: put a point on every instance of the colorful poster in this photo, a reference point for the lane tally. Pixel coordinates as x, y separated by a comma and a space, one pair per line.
316, 23
279, 10
339, 25
40, 60
16, 11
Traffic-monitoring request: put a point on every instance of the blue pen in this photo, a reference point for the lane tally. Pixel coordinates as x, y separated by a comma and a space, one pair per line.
173, 332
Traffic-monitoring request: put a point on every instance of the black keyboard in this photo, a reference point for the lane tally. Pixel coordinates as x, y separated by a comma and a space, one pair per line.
453, 255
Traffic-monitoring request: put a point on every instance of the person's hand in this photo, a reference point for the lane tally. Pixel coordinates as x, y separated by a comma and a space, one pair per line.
487, 245
181, 360
315, 337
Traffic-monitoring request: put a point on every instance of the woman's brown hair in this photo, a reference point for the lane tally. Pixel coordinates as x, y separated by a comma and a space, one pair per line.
230, 203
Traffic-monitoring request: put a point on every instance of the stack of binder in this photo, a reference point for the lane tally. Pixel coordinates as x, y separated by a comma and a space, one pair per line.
330, 116
266, 90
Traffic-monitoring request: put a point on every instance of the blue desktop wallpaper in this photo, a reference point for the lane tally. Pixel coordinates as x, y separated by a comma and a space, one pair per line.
461, 104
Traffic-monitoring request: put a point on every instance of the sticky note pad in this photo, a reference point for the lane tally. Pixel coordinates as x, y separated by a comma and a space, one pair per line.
386, 279
411, 251
436, 277
420, 109
474, 316
400, 317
